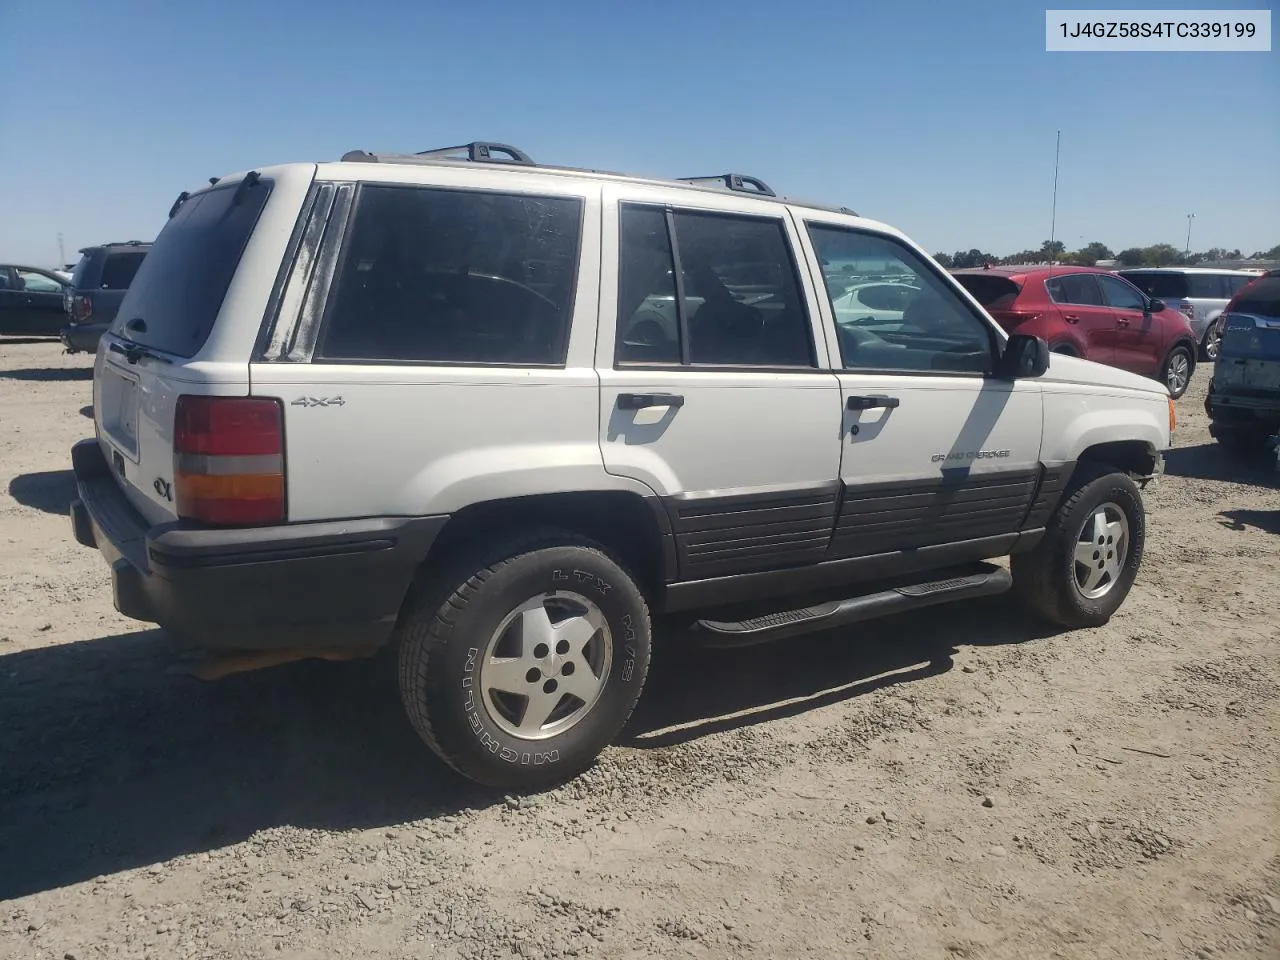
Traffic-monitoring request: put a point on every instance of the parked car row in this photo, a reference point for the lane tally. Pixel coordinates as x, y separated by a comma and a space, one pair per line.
77, 308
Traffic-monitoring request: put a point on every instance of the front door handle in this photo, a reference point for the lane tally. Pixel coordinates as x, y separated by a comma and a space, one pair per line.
1071, 318
869, 403
1123, 321
639, 401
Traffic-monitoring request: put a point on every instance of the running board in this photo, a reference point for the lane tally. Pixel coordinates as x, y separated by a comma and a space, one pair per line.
986, 581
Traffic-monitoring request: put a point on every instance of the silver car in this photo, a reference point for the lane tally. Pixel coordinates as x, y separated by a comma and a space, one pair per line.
1198, 292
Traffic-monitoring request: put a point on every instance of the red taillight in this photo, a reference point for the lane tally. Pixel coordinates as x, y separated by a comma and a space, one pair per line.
1187, 309
81, 309
228, 455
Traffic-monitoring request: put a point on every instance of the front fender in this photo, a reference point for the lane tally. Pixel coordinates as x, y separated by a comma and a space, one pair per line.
1076, 421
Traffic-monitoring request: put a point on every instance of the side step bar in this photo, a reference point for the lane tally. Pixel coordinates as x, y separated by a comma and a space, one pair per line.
986, 581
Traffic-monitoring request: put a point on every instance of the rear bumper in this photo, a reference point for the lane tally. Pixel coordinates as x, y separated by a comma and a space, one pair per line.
322, 586
1252, 407
84, 338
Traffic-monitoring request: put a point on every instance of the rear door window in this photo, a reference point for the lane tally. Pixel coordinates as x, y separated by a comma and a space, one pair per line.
119, 269
179, 287
1077, 288
431, 275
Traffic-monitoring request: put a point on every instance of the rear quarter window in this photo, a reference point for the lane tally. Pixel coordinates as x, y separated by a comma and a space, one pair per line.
431, 275
179, 287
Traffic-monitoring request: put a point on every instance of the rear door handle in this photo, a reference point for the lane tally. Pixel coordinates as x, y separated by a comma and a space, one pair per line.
869, 403
639, 401
1123, 321
1071, 318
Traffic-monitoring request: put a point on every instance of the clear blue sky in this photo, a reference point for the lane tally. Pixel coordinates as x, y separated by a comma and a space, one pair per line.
936, 117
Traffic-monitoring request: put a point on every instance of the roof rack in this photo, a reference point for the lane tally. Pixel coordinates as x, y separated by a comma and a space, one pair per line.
738, 182
478, 151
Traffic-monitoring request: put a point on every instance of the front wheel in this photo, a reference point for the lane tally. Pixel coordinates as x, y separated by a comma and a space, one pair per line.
1176, 372
1083, 568
523, 662
1211, 346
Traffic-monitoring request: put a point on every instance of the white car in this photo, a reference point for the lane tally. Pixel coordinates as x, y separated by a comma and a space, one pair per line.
404, 399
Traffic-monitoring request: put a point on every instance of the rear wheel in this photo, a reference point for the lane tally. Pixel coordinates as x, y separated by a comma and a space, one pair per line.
1083, 568
1176, 371
521, 663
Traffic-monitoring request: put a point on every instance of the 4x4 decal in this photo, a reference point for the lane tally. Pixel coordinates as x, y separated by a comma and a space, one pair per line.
318, 402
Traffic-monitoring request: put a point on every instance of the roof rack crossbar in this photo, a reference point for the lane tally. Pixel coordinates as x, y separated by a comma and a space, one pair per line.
738, 182
478, 151
481, 151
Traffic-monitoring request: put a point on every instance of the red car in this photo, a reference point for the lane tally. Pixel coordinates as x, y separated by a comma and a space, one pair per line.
1089, 313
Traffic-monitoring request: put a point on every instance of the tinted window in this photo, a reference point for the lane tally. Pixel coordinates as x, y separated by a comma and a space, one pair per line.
993, 292
119, 269
1233, 283
1210, 286
81, 272
1162, 286
1078, 288
648, 323
5, 282
931, 328
1119, 294
453, 276
742, 303
1262, 299
178, 290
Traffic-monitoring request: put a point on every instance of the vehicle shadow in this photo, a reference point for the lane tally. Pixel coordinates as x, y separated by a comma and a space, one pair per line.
109, 762
1265, 520
25, 340
49, 374
87, 411
777, 680
1210, 461
51, 491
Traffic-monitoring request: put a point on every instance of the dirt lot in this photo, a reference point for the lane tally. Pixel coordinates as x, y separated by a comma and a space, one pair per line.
955, 784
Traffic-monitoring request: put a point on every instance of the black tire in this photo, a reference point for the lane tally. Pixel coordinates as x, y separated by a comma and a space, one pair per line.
443, 639
1044, 578
1183, 353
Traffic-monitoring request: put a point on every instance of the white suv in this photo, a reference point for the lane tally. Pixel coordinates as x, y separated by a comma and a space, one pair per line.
502, 415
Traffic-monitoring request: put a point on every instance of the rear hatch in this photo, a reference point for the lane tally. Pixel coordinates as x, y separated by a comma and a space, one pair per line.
197, 277
997, 293
1249, 361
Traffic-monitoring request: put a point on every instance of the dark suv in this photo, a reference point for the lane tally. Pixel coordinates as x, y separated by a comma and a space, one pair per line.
1244, 397
97, 286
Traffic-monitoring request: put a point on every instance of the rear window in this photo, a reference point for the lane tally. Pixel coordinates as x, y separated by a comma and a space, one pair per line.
80, 274
994, 293
1162, 286
119, 269
1261, 299
178, 290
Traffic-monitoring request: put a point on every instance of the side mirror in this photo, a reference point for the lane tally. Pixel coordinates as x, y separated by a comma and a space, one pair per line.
1155, 306
1024, 356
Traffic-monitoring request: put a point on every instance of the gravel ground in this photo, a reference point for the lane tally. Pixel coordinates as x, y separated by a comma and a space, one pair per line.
960, 783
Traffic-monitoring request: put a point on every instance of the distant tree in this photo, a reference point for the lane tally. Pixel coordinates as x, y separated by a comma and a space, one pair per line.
1091, 253
1161, 255
1272, 254
1052, 249
1131, 257
972, 258
944, 260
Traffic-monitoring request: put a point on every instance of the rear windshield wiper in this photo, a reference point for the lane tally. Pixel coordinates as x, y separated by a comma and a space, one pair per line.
133, 352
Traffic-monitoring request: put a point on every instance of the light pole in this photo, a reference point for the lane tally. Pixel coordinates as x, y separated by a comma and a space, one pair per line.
1190, 217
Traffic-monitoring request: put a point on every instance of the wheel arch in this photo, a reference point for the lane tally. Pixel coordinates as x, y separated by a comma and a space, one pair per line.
1138, 458
634, 528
